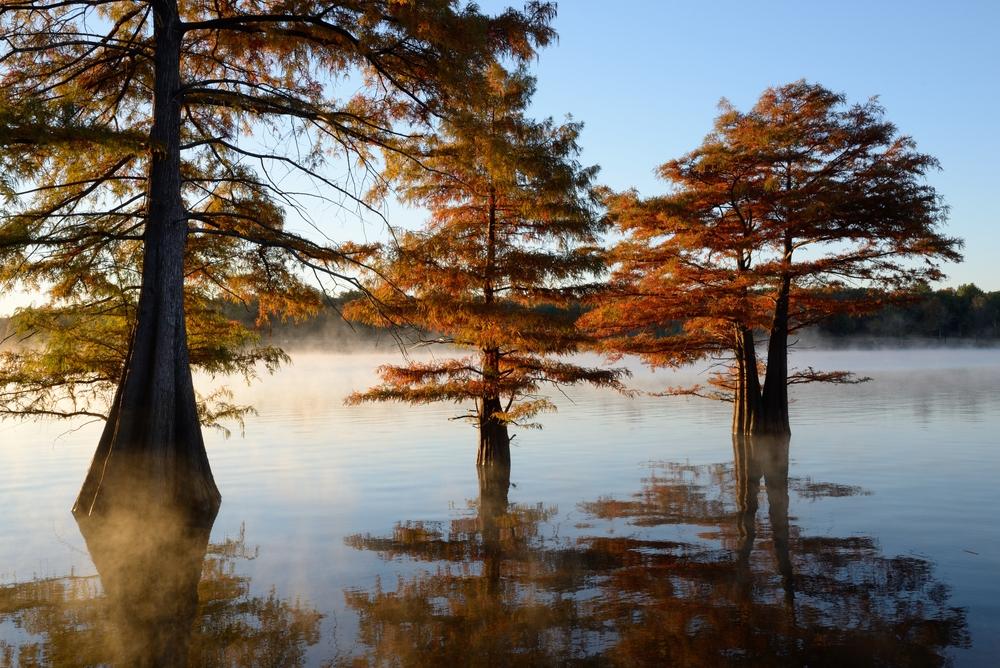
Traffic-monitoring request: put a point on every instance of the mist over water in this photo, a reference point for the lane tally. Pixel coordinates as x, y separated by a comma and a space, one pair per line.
364, 532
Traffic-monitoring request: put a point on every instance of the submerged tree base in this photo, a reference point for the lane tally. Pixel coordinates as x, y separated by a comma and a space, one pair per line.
158, 485
494, 437
494, 486
759, 415
494, 450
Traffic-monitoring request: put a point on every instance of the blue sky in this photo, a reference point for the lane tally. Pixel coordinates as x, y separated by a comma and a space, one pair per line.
645, 77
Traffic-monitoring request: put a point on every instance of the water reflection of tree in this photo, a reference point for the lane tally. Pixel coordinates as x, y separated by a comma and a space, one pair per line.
748, 591
197, 611
485, 602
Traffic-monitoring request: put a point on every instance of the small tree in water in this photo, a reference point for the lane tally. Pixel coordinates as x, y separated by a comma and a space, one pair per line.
512, 229
770, 219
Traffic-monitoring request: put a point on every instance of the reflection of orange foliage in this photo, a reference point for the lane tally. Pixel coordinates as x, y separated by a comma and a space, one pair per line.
637, 600
673, 493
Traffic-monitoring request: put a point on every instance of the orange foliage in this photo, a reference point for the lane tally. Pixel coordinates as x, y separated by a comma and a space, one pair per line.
767, 222
512, 234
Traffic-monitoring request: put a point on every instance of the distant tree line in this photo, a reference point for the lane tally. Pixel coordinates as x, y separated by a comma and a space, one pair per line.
965, 312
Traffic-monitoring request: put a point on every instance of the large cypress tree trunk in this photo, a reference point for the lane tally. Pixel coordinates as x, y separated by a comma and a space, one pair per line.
747, 395
774, 399
494, 440
151, 453
739, 394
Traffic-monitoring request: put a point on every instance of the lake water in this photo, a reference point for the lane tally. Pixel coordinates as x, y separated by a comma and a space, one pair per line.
632, 531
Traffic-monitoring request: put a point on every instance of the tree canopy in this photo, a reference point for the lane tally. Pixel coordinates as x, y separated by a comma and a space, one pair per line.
779, 210
512, 229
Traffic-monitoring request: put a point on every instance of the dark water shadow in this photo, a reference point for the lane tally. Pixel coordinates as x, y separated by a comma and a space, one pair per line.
164, 596
502, 588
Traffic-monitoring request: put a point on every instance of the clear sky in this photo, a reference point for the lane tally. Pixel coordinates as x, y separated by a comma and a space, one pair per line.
645, 77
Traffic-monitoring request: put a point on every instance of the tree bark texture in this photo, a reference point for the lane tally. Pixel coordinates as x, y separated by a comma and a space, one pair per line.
774, 399
747, 394
494, 440
152, 451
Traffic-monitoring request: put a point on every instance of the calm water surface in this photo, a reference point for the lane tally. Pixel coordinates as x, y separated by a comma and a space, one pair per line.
630, 531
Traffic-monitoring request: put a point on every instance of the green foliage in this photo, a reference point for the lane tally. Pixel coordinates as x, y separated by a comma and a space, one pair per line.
65, 361
965, 312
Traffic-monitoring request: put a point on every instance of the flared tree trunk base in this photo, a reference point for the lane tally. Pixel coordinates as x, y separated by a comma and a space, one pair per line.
772, 419
494, 450
777, 428
494, 486
141, 481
